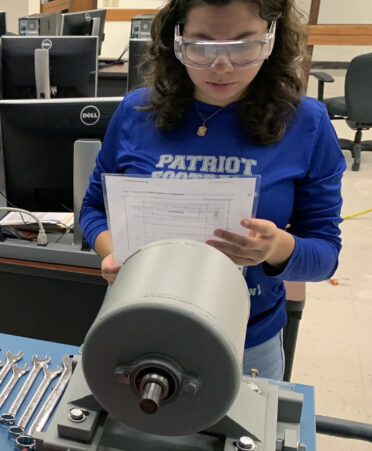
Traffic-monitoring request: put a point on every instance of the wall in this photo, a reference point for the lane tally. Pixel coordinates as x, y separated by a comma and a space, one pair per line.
18, 8
117, 33
331, 12
340, 12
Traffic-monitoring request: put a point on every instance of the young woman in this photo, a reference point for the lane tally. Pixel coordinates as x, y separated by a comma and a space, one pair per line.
224, 99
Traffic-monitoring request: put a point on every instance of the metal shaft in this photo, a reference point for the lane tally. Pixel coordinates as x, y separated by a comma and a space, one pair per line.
151, 397
153, 388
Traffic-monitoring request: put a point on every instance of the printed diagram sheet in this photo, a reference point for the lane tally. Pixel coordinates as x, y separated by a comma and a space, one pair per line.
151, 219
144, 210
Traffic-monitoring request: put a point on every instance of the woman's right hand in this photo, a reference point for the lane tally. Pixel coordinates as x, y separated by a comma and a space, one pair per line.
103, 247
109, 268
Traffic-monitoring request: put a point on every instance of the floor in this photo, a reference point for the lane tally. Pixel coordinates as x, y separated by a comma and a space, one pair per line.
334, 347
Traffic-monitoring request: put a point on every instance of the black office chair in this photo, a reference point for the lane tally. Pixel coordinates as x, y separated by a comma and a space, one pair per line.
355, 107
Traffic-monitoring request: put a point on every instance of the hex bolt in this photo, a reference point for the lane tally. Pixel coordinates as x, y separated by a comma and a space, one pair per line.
254, 372
245, 443
121, 375
191, 386
254, 387
76, 415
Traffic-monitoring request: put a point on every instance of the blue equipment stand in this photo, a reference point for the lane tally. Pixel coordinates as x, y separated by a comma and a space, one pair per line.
55, 351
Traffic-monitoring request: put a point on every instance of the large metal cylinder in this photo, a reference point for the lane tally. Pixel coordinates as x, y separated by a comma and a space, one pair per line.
164, 353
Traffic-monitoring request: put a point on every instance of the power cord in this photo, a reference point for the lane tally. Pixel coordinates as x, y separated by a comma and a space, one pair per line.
66, 227
126, 48
357, 214
41, 237
12, 205
333, 280
103, 64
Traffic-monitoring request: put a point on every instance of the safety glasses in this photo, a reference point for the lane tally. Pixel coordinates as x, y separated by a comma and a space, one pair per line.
239, 53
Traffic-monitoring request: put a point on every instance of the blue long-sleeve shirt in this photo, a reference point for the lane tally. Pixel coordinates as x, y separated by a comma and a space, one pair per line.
300, 185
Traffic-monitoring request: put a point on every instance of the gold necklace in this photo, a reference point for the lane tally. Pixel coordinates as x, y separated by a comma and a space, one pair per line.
202, 129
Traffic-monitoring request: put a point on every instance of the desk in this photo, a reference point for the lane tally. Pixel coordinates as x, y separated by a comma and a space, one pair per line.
29, 347
49, 301
112, 80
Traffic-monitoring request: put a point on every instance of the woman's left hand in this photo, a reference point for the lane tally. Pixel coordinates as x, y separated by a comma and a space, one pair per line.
264, 242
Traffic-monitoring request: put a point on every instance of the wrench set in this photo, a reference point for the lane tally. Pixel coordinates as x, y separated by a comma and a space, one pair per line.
18, 423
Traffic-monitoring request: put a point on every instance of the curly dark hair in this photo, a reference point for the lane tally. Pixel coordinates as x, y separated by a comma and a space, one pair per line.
265, 113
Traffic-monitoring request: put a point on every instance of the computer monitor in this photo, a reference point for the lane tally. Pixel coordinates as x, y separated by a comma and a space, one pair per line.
48, 67
36, 147
85, 23
2, 23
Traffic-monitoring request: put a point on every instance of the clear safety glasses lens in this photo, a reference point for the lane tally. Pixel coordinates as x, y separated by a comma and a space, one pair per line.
245, 52
239, 54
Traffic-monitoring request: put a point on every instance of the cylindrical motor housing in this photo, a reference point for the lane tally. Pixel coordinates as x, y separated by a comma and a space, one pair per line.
178, 301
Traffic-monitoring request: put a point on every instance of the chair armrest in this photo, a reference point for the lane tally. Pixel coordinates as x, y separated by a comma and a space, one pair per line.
322, 78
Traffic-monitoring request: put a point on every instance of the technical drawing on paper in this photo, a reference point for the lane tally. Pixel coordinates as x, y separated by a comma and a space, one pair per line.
151, 219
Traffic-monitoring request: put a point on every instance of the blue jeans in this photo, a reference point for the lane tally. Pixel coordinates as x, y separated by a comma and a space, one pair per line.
267, 358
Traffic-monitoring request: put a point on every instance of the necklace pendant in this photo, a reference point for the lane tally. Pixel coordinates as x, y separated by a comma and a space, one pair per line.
202, 130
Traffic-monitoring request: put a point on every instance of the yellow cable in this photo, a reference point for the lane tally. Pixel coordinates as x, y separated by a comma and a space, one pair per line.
334, 280
357, 214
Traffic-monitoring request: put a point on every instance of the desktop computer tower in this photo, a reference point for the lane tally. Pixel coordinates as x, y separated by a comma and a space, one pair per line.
139, 43
141, 26
2, 23
137, 66
39, 25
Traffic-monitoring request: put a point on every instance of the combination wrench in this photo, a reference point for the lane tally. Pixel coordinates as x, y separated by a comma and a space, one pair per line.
17, 373
27, 441
9, 417
49, 375
10, 360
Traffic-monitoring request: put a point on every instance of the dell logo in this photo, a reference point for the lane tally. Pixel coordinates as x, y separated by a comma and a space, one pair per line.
90, 115
46, 44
